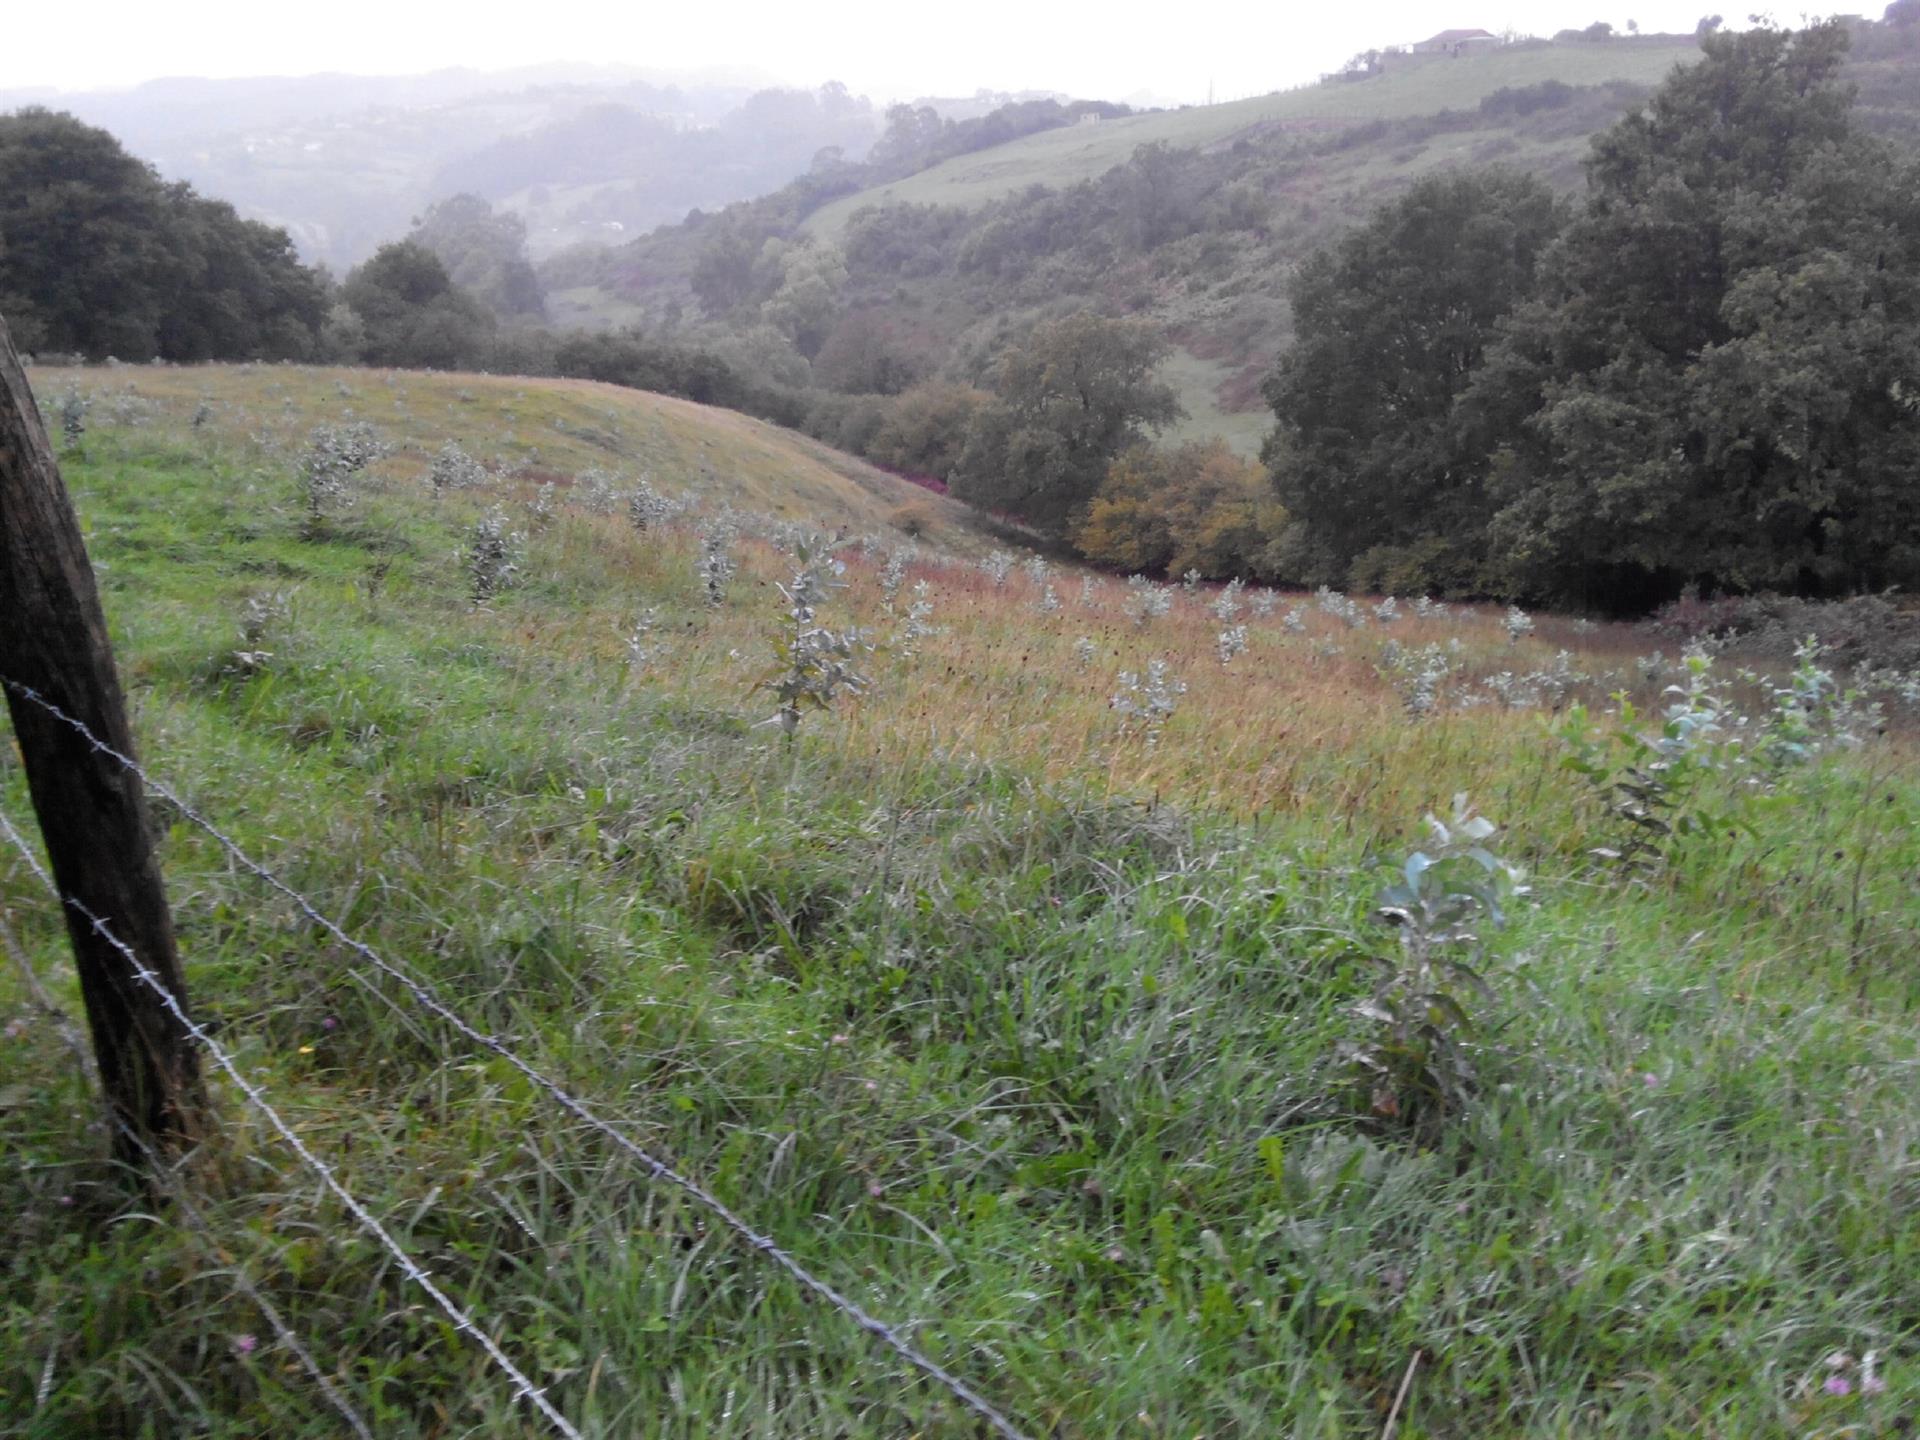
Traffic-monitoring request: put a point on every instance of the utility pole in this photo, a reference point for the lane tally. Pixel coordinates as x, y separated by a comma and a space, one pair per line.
92, 812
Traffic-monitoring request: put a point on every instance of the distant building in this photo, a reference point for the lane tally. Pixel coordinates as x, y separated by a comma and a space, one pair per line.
1456, 42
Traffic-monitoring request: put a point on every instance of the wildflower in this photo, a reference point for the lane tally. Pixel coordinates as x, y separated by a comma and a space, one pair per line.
1838, 1385
245, 1344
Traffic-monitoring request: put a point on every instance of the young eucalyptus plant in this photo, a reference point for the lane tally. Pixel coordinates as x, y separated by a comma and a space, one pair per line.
335, 455
813, 664
494, 552
454, 469
1416, 1067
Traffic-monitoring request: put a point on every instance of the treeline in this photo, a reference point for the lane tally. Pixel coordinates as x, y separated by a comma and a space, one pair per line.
1704, 372
99, 256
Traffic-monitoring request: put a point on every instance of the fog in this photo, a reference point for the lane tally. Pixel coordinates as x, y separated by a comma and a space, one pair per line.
886, 50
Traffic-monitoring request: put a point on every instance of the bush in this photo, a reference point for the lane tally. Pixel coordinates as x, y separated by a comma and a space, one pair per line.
1868, 631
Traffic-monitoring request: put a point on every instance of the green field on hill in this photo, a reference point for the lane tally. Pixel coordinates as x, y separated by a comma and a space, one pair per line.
1410, 86
1037, 995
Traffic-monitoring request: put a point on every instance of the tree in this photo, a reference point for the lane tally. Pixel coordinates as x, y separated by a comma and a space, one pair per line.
98, 256
868, 352
1081, 390
723, 273
413, 314
1714, 386
1189, 507
924, 430
806, 302
1391, 323
484, 254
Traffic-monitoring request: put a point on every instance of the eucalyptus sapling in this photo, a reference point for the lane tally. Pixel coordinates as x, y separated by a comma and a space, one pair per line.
335, 455
716, 564
1146, 704
1416, 1067
647, 508
917, 624
453, 469
1226, 605
493, 557
813, 664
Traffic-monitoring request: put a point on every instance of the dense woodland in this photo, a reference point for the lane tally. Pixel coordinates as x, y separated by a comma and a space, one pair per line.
1682, 359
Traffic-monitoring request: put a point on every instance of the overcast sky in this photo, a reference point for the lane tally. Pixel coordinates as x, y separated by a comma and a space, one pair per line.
886, 48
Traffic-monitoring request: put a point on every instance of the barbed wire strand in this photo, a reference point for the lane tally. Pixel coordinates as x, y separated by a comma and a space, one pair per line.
523, 1387
63, 1025
70, 1035
658, 1169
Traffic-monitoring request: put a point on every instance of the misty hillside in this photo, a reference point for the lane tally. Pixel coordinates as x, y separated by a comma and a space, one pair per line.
344, 163
1191, 218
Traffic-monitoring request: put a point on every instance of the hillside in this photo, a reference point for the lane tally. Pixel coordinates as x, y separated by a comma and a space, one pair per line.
1193, 219
1035, 994
1408, 87
345, 163
529, 431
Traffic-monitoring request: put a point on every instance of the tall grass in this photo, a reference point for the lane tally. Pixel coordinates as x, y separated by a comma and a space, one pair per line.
1025, 1033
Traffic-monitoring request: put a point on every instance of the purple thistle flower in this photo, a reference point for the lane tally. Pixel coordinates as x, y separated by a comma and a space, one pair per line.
245, 1344
1838, 1385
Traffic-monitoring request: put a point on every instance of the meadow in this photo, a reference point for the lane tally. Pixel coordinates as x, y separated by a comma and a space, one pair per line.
1414, 86
1034, 992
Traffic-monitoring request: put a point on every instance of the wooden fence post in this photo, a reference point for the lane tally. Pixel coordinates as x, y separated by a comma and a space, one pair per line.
92, 812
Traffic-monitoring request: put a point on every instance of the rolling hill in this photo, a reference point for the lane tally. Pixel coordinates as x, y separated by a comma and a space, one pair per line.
528, 431
1191, 218
1035, 994
1409, 86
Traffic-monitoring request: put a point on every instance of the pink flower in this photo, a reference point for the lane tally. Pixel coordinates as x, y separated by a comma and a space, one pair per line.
245, 1344
1872, 1384
1838, 1385
329, 1023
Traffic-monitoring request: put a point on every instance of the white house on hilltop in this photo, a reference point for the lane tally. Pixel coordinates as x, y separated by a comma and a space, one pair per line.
1457, 42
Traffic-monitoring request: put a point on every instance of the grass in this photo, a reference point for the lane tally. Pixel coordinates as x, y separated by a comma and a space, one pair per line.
1419, 86
1020, 1031
535, 431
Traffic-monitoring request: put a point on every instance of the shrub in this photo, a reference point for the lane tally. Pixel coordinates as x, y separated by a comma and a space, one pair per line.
1416, 1068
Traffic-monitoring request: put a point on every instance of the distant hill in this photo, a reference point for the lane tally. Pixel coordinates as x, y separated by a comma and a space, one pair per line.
1193, 218
1407, 86
344, 163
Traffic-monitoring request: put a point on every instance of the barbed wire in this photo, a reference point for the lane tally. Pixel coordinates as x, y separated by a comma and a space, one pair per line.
523, 1387
657, 1169
176, 1189
63, 1025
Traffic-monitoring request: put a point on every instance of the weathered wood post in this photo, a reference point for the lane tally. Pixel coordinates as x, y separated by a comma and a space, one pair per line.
53, 638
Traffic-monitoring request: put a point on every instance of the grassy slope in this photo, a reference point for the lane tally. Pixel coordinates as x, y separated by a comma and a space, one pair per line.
1412, 87
546, 429
1018, 1029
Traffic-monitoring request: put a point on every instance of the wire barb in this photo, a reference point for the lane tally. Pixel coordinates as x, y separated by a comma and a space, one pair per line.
70, 1035
462, 1322
657, 1169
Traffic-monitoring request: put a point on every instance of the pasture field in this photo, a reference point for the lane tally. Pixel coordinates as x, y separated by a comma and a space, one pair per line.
1026, 1020
1416, 86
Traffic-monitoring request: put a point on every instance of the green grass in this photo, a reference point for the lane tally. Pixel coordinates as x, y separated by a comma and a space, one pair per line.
1020, 1032
1418, 86
1197, 383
